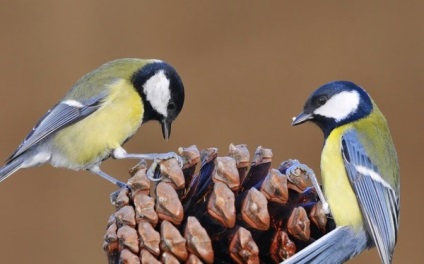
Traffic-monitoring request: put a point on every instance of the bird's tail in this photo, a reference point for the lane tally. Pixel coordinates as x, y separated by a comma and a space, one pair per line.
10, 168
338, 246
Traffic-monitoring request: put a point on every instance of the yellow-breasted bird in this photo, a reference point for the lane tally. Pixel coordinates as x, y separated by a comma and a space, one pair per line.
360, 174
101, 112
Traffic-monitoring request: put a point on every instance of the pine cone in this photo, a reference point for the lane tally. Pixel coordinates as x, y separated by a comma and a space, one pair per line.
227, 213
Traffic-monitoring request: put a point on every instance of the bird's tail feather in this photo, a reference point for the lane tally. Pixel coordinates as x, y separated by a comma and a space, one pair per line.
10, 168
338, 246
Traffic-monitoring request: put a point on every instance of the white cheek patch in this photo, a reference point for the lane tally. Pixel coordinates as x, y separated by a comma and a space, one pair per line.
157, 92
340, 106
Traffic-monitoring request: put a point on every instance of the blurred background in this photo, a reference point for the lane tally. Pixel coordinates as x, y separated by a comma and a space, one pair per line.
247, 69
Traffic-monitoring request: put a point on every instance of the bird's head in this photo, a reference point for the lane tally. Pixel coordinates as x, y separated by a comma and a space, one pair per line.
335, 104
162, 92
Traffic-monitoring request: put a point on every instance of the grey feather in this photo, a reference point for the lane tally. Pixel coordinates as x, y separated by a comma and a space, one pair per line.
11, 167
377, 199
60, 116
338, 246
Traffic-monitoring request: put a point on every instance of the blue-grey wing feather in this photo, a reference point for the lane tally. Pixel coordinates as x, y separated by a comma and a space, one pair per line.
338, 246
60, 116
377, 199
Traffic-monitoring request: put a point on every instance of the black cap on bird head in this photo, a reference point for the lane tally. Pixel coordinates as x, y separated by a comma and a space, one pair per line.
335, 104
162, 92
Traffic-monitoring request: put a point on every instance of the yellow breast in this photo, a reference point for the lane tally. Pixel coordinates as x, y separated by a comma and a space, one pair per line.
337, 189
91, 139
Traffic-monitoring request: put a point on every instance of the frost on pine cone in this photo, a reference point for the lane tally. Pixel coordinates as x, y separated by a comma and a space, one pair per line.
226, 213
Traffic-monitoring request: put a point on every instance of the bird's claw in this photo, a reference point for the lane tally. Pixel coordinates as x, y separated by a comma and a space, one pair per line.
311, 175
156, 159
292, 170
151, 171
174, 155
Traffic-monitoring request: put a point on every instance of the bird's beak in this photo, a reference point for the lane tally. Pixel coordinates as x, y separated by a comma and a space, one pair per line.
166, 128
302, 118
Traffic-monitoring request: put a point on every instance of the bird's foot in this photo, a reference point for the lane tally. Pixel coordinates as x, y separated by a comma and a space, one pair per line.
293, 171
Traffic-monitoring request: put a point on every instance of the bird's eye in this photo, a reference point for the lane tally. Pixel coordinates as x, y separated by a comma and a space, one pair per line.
322, 100
171, 106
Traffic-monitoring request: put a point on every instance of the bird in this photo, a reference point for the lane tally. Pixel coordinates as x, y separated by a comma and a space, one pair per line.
359, 171
101, 112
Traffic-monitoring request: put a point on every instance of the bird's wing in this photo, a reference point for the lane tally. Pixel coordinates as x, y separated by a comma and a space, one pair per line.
377, 198
61, 115
338, 246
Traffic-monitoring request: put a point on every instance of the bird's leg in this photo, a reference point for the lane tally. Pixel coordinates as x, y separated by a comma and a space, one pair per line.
96, 170
120, 153
310, 173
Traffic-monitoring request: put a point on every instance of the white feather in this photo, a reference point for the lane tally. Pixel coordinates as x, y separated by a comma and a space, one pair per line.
374, 175
119, 153
40, 158
340, 106
157, 92
73, 103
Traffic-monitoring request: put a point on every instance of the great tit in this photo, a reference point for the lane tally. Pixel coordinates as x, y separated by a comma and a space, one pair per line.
360, 174
99, 114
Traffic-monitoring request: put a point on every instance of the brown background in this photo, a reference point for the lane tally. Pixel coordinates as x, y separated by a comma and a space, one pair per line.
247, 68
